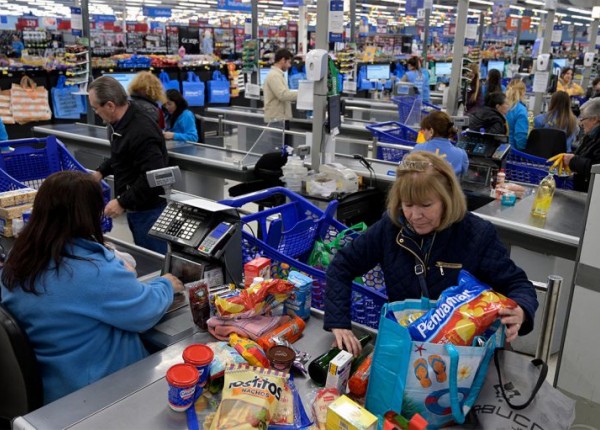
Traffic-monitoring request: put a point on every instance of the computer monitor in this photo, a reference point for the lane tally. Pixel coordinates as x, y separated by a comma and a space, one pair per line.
559, 63
123, 78
334, 112
443, 69
526, 65
498, 65
264, 71
378, 72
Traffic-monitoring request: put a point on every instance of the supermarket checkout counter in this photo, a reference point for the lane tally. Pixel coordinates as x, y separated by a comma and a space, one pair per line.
204, 167
136, 397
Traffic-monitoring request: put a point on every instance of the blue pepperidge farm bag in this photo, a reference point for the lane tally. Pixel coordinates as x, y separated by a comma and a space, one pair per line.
193, 90
439, 381
219, 88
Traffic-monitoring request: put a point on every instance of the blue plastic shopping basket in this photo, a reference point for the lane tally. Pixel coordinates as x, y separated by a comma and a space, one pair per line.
33, 160
286, 234
530, 169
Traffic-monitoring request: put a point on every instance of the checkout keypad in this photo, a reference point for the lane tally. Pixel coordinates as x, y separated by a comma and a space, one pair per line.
179, 221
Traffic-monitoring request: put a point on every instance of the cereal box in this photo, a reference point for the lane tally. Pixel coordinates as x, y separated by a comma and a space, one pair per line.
344, 413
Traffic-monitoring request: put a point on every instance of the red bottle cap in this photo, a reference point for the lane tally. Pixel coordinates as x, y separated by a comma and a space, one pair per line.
182, 375
198, 355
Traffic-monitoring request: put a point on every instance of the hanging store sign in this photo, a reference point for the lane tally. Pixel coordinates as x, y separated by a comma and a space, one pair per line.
76, 21
136, 27
63, 24
471, 32
293, 3
336, 20
557, 32
512, 23
234, 5
104, 18
189, 38
23, 23
156, 12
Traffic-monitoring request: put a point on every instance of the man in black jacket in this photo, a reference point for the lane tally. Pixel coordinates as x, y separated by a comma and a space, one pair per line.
136, 147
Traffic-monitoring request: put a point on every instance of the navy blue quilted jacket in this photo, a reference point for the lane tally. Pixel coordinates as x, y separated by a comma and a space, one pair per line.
471, 244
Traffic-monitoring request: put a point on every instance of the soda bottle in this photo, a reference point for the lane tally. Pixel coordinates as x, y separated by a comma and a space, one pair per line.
543, 197
318, 368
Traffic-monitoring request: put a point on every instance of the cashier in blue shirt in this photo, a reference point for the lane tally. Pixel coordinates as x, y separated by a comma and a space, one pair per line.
438, 129
181, 123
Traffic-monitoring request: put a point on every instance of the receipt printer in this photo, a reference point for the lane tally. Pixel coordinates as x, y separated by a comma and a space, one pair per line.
316, 64
345, 178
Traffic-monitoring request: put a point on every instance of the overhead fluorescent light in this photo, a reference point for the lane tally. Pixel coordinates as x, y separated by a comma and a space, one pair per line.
574, 9
489, 3
535, 2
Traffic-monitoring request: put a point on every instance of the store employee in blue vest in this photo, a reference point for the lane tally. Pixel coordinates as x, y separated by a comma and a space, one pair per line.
137, 146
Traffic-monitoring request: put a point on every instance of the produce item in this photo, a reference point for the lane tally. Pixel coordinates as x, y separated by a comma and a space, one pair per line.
461, 313
249, 350
318, 368
344, 413
359, 381
251, 396
559, 165
323, 399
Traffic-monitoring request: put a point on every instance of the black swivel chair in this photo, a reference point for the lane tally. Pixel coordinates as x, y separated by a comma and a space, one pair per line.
546, 142
267, 172
20, 381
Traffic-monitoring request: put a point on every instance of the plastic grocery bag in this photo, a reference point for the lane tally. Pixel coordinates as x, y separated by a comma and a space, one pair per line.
193, 90
439, 381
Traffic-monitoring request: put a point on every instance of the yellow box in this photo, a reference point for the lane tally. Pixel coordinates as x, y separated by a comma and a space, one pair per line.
17, 197
14, 212
344, 413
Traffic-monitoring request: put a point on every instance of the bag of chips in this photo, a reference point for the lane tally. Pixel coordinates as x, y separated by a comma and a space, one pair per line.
258, 299
461, 313
250, 398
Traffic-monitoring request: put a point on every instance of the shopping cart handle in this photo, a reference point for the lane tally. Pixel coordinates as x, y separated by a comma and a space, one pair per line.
260, 195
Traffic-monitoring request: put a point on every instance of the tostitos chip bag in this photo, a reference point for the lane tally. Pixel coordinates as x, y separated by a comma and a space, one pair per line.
461, 313
250, 397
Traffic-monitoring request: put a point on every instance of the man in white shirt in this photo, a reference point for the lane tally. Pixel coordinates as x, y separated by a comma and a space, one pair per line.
276, 91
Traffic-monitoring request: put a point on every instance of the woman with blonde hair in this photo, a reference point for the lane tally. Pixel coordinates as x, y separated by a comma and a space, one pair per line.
559, 116
475, 95
147, 92
426, 225
516, 117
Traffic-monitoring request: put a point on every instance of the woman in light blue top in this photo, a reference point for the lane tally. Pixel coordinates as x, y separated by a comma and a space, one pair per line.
181, 122
559, 116
417, 76
516, 117
81, 306
438, 129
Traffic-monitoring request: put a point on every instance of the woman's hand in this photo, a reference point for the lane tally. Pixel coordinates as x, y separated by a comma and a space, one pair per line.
513, 319
567, 159
346, 340
169, 135
175, 282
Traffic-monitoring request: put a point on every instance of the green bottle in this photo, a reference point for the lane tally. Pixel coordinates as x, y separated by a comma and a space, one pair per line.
318, 368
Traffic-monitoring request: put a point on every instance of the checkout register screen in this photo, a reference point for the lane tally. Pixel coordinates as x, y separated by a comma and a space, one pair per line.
186, 270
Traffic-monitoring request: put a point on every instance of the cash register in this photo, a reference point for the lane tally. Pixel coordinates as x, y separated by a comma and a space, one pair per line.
204, 242
487, 154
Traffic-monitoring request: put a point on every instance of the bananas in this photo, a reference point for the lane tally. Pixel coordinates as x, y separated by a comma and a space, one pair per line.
559, 166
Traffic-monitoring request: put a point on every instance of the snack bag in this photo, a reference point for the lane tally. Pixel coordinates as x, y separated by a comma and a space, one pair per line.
249, 350
290, 413
250, 398
224, 355
324, 398
258, 299
461, 313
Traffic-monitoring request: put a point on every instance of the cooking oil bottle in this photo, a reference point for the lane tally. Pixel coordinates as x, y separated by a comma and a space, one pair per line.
543, 197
